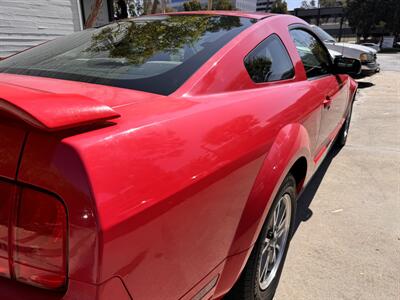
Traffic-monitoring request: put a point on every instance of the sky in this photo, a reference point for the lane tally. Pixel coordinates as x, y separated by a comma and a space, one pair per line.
292, 4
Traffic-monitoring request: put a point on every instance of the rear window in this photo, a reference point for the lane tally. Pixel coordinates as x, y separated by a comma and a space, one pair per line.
154, 54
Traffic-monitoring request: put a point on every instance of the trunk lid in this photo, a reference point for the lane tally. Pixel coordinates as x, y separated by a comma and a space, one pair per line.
107, 95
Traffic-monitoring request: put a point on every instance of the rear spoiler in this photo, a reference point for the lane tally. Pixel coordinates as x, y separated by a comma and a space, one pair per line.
52, 112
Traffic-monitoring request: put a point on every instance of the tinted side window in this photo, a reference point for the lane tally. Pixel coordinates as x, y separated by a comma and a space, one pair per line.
269, 61
315, 58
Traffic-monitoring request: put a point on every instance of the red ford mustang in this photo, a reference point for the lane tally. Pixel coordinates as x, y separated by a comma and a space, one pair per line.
161, 157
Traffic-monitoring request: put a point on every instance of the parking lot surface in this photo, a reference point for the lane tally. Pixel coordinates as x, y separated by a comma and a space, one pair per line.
347, 243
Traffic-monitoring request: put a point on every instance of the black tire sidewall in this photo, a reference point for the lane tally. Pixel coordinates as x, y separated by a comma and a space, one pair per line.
288, 187
342, 138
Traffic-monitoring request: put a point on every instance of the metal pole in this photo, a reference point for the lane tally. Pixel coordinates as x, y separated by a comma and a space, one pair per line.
341, 28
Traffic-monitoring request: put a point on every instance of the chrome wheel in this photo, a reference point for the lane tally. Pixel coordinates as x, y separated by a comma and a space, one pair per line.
275, 242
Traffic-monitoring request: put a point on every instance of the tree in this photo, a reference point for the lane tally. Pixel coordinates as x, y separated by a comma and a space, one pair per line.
223, 5
137, 42
279, 7
307, 4
328, 3
91, 20
390, 18
154, 6
192, 5
366, 15
156, 9
146, 6
363, 16
136, 7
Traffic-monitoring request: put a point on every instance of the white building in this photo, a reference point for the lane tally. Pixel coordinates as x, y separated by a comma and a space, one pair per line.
264, 5
246, 5
26, 23
254, 5
178, 4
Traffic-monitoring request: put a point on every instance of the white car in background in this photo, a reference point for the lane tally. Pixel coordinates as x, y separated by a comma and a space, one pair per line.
334, 53
372, 45
366, 55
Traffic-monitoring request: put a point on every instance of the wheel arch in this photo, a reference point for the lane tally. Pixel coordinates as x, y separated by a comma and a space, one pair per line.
289, 153
299, 172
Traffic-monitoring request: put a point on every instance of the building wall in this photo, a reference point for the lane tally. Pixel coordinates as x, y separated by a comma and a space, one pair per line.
26, 23
264, 5
331, 19
246, 5
178, 4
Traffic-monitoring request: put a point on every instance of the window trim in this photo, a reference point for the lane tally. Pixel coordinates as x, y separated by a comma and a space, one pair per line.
288, 55
299, 26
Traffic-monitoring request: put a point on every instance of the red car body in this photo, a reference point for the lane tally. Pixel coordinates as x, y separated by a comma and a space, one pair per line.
165, 195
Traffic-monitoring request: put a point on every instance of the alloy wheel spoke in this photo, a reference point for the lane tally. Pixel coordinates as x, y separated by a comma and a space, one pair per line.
264, 270
280, 232
274, 255
282, 219
266, 246
275, 241
276, 215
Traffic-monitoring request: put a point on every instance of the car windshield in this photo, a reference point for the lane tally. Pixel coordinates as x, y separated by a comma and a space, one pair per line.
323, 35
155, 54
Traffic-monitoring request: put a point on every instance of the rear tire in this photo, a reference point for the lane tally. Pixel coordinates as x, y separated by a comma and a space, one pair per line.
344, 131
260, 277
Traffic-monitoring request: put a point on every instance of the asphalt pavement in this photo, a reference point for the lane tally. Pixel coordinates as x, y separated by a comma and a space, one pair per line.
347, 242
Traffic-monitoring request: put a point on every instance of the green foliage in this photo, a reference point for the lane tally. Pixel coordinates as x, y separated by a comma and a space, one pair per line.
223, 5
328, 3
390, 16
279, 7
137, 42
135, 7
258, 67
307, 4
366, 15
192, 5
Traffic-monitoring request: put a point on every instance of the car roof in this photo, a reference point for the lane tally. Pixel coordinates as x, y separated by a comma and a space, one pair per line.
244, 14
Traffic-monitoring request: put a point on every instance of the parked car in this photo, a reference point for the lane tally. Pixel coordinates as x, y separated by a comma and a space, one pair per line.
161, 157
334, 54
372, 45
366, 55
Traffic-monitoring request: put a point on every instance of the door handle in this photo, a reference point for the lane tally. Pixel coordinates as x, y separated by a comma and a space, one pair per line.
327, 102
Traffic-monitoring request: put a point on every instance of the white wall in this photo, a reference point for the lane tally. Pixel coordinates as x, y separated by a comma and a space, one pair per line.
25, 23
246, 5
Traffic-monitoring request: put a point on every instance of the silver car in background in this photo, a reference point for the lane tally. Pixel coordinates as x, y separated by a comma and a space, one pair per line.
372, 45
366, 55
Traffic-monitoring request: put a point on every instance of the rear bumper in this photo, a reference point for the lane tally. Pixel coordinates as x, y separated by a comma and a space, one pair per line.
111, 289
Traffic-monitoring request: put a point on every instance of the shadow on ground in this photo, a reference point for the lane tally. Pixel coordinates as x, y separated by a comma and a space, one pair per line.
304, 213
364, 84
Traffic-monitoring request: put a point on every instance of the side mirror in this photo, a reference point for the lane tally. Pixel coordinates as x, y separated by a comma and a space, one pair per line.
345, 65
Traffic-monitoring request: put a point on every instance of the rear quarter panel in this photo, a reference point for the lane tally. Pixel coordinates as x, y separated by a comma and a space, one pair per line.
170, 195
